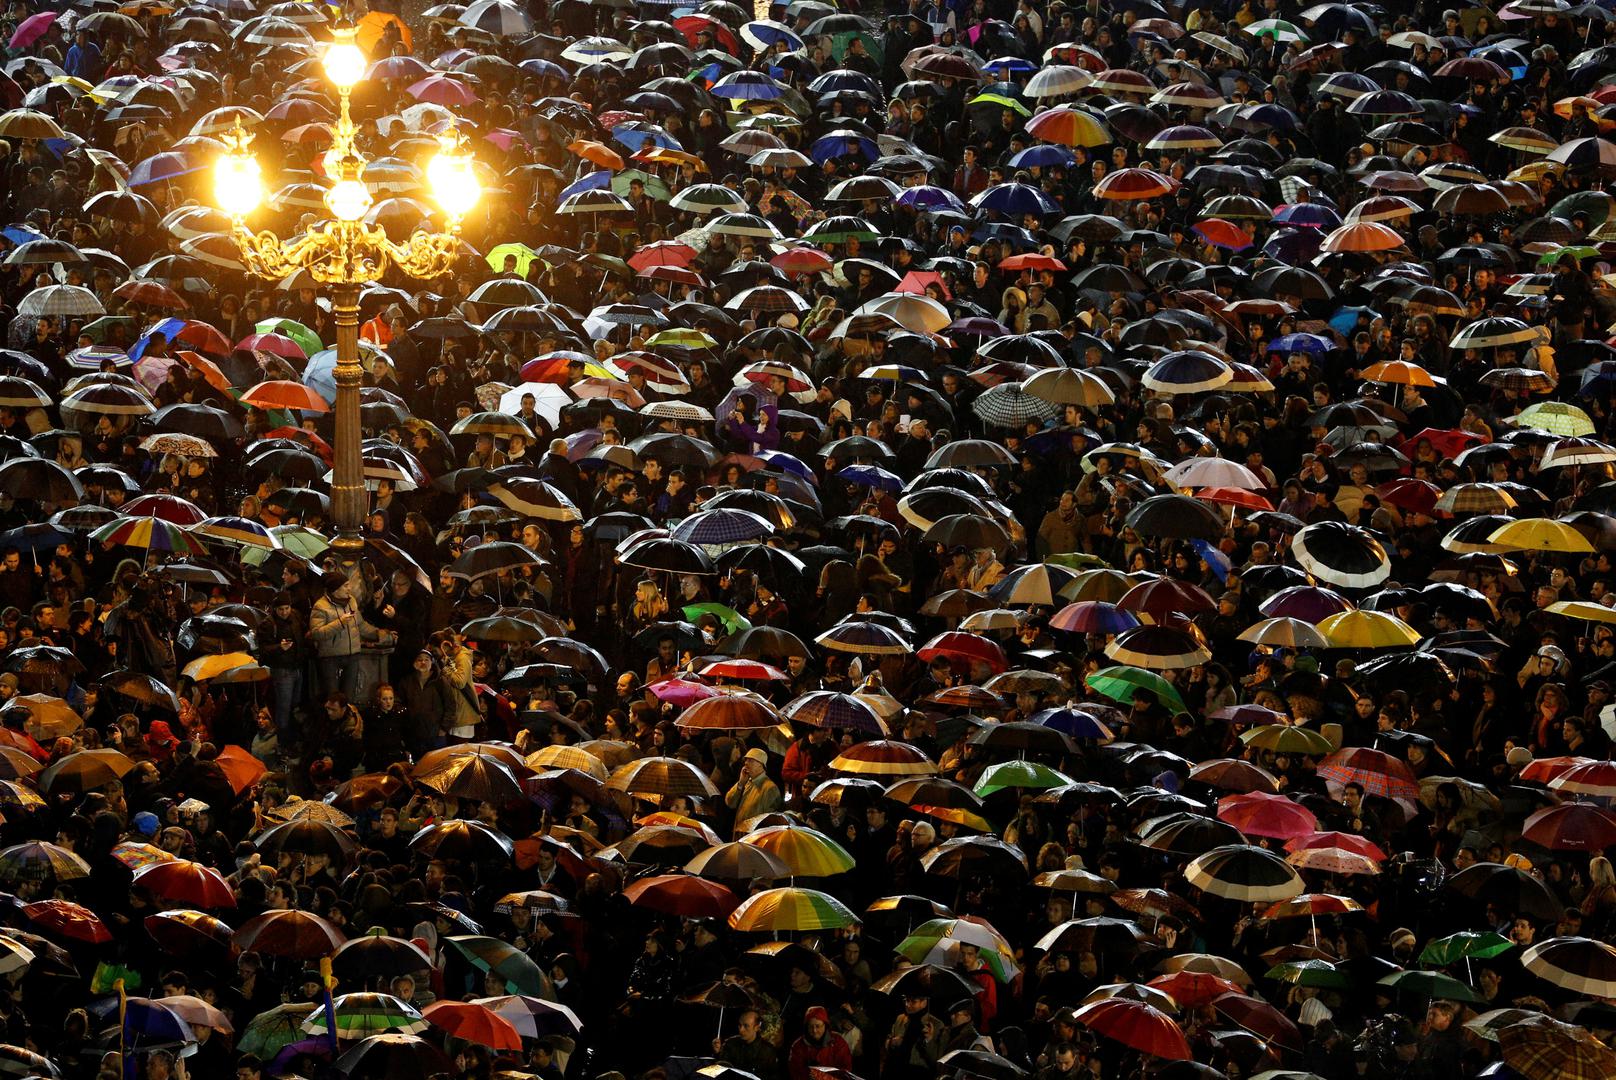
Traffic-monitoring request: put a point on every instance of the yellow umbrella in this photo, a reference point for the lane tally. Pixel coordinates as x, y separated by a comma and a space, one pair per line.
1583, 609
1541, 534
48, 717
809, 852
204, 668
1367, 630
791, 909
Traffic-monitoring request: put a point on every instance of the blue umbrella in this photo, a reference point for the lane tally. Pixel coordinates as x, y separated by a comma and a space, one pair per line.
764, 34
870, 476
1303, 343
1215, 559
1308, 213
726, 525
164, 166
842, 144
747, 86
1015, 200
780, 461
636, 138
927, 197
544, 69
1005, 66
844, 79
1079, 725
1345, 320
1598, 379
1293, 246
21, 234
1045, 154
169, 328
321, 374
595, 181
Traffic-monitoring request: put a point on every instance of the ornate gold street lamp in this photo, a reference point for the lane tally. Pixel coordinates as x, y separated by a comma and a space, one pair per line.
345, 253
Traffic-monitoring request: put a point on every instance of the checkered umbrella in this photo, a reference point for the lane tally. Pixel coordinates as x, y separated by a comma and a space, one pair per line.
1009, 405
1543, 1048
722, 526
1377, 772
69, 300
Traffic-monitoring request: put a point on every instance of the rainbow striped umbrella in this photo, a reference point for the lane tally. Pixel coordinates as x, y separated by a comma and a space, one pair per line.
152, 534
791, 909
808, 852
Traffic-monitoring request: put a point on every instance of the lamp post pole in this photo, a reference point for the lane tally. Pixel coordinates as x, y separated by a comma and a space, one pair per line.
346, 253
349, 499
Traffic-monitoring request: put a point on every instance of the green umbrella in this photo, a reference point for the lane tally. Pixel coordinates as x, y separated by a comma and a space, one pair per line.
1003, 102
525, 257
308, 339
1578, 252
98, 329
363, 1014
1595, 204
937, 941
1121, 683
655, 186
733, 621
767, 121
1430, 984
1463, 945
295, 540
1019, 774
521, 974
1319, 973
270, 1031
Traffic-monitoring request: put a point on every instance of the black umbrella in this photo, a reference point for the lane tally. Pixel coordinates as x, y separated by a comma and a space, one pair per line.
1341, 554
1178, 517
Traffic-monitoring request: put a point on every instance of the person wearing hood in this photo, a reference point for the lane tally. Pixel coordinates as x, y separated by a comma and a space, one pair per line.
817, 1047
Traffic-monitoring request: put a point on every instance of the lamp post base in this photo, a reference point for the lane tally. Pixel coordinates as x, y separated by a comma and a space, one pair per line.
349, 499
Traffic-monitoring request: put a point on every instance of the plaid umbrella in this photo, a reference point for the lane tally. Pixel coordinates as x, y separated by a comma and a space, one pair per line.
1377, 772
1009, 405
1543, 1048
72, 301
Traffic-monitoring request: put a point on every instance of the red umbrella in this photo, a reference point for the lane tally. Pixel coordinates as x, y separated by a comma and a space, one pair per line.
204, 337
151, 294
1345, 841
296, 934
1192, 988
1161, 597
1261, 814
684, 895
474, 1023
68, 919
1571, 827
965, 648
1136, 1025
1544, 770
1031, 261
1594, 778
1223, 234
284, 394
754, 670
1130, 184
1246, 500
1446, 442
802, 260
186, 882
664, 253
1376, 771
1410, 494
169, 508
278, 344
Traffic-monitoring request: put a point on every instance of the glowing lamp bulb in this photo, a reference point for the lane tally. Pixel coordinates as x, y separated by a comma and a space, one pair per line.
348, 200
344, 63
453, 177
237, 184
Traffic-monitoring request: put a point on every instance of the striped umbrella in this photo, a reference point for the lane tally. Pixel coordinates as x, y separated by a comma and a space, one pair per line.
807, 852
791, 909
882, 757
661, 776
153, 534
361, 1014
1244, 873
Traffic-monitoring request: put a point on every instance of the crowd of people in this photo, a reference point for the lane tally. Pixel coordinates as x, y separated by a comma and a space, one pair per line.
986, 540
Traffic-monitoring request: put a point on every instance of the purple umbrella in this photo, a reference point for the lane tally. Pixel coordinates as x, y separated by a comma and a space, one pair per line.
1309, 603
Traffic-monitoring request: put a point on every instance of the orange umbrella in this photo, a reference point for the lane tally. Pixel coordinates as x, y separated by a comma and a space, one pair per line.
475, 1023
210, 371
1363, 236
285, 394
368, 34
599, 153
1192, 988
682, 894
1126, 184
240, 768
1400, 372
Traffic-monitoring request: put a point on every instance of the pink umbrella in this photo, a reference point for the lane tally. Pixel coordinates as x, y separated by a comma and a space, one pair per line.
32, 29
442, 90
680, 692
916, 281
